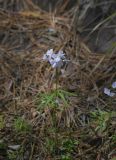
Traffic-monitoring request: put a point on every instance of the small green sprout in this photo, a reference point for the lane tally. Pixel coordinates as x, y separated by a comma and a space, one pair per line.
67, 147
20, 125
15, 154
101, 119
54, 99
50, 145
66, 157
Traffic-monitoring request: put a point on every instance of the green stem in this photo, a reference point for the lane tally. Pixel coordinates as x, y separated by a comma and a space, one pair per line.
54, 112
56, 83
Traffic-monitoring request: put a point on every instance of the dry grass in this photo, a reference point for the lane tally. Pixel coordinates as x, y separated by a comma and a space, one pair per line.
24, 37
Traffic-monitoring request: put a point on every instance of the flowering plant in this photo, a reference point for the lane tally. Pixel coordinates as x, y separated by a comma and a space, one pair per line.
55, 59
109, 92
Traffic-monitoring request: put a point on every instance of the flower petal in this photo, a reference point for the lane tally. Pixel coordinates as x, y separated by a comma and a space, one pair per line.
107, 91
114, 84
61, 54
112, 94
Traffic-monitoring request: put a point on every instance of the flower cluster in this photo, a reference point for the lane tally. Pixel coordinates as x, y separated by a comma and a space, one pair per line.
55, 59
109, 92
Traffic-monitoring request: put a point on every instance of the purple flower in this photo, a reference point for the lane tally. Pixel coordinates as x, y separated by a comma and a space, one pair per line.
61, 54
108, 92
48, 55
114, 84
57, 62
55, 59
